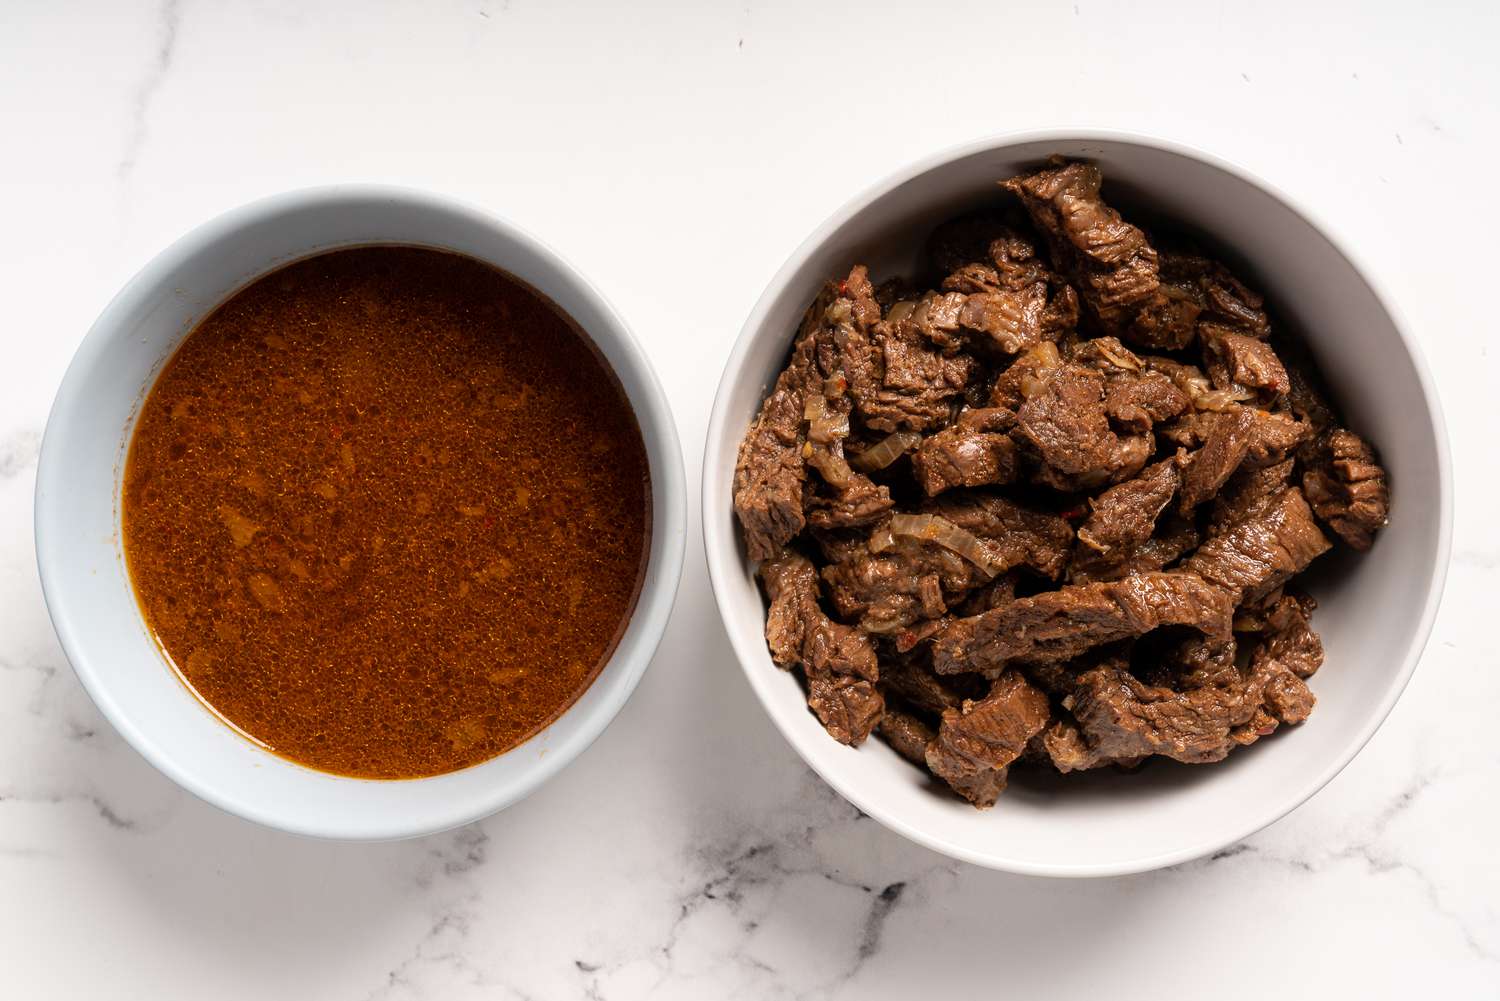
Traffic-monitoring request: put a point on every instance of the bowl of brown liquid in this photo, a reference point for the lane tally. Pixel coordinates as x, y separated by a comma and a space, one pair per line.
360, 513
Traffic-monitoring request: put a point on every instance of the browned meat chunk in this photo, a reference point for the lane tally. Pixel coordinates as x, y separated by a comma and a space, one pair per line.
1269, 438
1135, 396
907, 735
975, 451
911, 680
1347, 488
1064, 421
976, 744
897, 380
1023, 375
1276, 540
1068, 751
1012, 533
898, 580
1288, 652
799, 632
838, 661
769, 473
849, 708
1175, 538
1060, 625
1198, 298
1246, 491
1124, 517
1227, 445
1108, 259
1120, 716
932, 316
849, 501
1239, 362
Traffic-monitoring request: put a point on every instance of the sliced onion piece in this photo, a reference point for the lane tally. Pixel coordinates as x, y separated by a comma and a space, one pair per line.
833, 468
823, 425
1120, 359
885, 451
900, 311
1222, 399
936, 529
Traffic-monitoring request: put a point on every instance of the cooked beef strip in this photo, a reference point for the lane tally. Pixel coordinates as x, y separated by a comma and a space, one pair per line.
1124, 516
1268, 437
1120, 716
1227, 445
1289, 652
975, 451
1290, 638
897, 380
976, 743
998, 298
769, 473
799, 632
915, 579
838, 661
1064, 421
1274, 541
1025, 373
1347, 488
1109, 260
1014, 534
1176, 536
933, 316
907, 735
857, 501
967, 239
1135, 397
997, 592
1060, 625
849, 708
909, 677
1068, 750
1245, 491
1238, 361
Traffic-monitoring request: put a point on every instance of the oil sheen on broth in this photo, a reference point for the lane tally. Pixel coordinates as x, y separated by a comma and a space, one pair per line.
387, 511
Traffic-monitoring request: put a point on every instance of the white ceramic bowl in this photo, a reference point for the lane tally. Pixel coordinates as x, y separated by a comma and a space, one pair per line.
77, 515
1375, 611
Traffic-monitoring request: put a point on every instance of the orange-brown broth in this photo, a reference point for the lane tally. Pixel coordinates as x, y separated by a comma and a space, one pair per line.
387, 511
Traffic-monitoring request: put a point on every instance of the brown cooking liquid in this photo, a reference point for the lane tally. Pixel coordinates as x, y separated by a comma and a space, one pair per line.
387, 512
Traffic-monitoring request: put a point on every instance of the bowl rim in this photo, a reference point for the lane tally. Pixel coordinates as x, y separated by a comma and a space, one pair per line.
653, 605
724, 558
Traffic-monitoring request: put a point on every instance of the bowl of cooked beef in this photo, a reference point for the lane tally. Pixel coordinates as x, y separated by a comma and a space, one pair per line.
1075, 504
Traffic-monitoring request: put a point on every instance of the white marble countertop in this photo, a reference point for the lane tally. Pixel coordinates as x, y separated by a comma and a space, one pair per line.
678, 152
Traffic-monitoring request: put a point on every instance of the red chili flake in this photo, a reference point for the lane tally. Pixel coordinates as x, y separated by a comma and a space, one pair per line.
1073, 514
1266, 731
905, 640
843, 288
